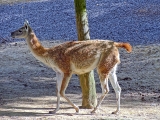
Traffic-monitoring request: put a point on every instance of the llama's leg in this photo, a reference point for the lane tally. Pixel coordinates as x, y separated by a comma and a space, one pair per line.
65, 82
116, 87
105, 89
59, 78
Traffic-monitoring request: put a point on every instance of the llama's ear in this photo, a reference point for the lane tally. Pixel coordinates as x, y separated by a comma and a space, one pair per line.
26, 25
26, 22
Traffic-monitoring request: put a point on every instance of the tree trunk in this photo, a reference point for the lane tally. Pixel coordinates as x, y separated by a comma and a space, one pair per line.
87, 82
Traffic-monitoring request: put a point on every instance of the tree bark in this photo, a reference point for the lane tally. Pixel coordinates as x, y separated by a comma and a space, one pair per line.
87, 82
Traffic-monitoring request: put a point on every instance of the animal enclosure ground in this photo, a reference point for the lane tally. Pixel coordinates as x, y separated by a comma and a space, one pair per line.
28, 88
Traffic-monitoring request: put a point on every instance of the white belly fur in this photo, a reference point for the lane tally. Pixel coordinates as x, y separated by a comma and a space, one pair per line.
78, 71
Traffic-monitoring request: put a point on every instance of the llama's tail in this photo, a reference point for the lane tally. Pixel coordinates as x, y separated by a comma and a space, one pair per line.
127, 46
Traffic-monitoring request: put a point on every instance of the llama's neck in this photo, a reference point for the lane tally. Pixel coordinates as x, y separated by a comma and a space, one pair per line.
35, 46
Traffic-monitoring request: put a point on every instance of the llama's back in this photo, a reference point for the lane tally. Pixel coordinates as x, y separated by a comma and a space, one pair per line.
80, 55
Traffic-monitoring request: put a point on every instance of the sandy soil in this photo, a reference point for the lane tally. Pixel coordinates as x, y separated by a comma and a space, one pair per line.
27, 87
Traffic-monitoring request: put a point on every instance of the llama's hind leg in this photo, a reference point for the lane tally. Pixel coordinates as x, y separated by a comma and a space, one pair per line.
105, 89
116, 87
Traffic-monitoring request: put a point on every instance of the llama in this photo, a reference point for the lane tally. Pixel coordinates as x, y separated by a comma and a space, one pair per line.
77, 57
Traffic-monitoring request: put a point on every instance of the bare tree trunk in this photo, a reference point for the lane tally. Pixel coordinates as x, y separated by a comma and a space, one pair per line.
87, 82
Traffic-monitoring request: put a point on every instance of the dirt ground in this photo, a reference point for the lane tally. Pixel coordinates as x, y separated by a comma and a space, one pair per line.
28, 88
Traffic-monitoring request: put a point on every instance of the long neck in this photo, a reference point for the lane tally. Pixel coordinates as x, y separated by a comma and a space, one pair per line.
35, 46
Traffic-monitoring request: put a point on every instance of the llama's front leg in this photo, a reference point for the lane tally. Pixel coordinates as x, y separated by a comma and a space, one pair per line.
64, 85
116, 87
59, 77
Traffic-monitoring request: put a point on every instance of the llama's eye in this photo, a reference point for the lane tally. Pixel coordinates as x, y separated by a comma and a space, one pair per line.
20, 31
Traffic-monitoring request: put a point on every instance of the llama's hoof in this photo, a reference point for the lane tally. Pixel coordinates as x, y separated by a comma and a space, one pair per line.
77, 109
93, 112
115, 112
52, 112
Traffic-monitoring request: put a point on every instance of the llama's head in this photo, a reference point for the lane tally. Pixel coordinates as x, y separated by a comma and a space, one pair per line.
22, 32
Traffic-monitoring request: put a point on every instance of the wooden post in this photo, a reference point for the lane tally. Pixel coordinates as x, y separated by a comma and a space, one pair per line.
87, 82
